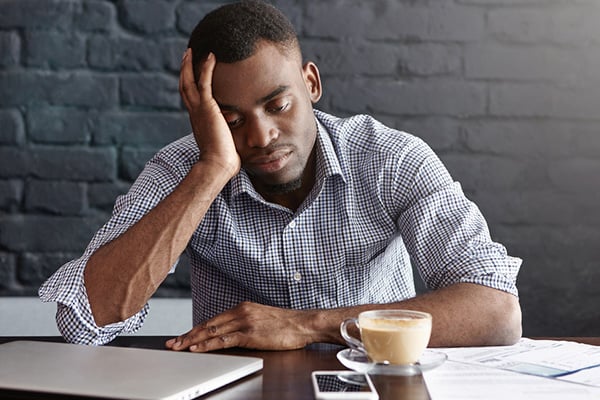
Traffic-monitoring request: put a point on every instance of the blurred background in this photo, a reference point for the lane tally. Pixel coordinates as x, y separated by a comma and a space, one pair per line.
507, 92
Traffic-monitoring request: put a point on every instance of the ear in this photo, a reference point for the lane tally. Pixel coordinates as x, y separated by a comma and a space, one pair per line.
312, 80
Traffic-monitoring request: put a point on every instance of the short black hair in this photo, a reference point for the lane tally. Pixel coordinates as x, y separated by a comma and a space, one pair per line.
232, 31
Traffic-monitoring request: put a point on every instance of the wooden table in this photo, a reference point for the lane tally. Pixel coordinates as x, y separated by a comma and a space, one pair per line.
285, 375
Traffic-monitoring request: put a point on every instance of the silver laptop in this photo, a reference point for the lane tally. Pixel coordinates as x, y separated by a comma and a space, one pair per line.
117, 372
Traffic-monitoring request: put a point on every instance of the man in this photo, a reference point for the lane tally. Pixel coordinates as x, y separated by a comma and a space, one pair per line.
293, 219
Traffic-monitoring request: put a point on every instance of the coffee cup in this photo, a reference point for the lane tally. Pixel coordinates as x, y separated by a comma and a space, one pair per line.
396, 337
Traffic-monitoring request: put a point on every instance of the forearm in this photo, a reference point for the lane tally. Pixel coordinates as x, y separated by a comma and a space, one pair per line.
464, 314
123, 274
467, 314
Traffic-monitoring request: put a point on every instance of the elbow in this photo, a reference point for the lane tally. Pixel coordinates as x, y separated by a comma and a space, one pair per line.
103, 319
508, 327
517, 322
105, 313
100, 298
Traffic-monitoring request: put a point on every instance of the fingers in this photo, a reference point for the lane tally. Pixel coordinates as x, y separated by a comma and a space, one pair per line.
218, 342
206, 74
187, 86
192, 92
248, 325
210, 129
208, 337
202, 335
233, 328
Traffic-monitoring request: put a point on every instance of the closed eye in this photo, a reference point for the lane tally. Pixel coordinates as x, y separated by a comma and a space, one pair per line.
233, 120
278, 109
234, 123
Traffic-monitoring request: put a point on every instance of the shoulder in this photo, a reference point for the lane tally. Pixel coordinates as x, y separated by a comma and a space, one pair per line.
178, 156
166, 168
182, 149
364, 135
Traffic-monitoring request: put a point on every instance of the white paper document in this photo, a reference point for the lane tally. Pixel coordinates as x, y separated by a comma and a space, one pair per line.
530, 369
569, 361
460, 381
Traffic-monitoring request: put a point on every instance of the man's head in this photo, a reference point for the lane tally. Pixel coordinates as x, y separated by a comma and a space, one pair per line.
233, 31
265, 94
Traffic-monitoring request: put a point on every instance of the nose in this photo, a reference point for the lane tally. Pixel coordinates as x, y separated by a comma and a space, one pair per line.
261, 132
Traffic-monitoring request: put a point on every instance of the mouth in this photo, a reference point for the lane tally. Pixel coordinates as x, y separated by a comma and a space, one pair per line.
272, 162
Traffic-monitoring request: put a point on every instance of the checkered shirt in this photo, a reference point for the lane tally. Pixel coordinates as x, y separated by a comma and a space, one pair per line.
382, 200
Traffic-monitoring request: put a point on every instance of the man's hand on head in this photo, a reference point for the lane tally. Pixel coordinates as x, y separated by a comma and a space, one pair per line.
249, 325
211, 131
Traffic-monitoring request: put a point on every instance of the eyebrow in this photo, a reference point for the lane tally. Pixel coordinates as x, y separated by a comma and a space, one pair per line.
265, 99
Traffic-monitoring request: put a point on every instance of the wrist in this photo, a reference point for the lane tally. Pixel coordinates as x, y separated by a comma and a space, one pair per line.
213, 170
205, 181
324, 326
221, 167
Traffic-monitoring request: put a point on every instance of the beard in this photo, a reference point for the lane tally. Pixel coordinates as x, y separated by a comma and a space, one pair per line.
283, 188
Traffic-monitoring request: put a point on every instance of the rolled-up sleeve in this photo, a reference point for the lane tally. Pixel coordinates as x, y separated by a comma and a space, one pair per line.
446, 234
73, 313
66, 286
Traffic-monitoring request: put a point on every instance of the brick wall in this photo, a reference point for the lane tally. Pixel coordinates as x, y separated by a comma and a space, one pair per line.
506, 91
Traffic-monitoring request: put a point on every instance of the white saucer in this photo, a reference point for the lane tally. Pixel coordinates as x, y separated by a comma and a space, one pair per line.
358, 361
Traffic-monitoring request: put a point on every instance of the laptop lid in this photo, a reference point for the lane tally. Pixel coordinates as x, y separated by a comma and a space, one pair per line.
117, 372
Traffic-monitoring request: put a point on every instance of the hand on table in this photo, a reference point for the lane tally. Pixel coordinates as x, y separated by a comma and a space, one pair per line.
248, 325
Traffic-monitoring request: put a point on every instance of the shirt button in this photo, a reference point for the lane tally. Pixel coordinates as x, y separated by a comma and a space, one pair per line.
297, 276
292, 224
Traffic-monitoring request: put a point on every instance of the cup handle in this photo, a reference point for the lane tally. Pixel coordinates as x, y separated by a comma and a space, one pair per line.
352, 341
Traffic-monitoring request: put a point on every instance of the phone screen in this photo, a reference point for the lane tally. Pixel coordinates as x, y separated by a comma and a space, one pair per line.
342, 383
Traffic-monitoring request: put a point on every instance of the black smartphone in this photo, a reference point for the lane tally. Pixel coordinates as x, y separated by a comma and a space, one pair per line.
349, 385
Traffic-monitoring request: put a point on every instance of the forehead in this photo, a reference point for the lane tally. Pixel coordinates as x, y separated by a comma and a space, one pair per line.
250, 79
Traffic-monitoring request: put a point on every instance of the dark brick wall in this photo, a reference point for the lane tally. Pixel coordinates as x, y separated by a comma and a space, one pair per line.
506, 91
